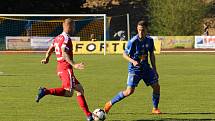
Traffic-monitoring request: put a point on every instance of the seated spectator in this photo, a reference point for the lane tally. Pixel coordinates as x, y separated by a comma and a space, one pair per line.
120, 35
206, 28
93, 37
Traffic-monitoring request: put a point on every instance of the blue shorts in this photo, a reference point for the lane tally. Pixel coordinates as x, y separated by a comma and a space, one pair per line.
148, 77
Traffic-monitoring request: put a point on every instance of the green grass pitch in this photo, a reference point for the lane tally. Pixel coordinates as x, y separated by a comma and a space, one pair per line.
187, 88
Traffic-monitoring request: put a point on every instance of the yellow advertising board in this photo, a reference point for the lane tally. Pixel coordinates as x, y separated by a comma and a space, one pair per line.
157, 44
116, 47
112, 47
87, 47
168, 42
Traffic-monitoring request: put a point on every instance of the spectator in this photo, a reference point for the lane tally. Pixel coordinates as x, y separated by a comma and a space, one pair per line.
28, 28
120, 35
206, 33
93, 37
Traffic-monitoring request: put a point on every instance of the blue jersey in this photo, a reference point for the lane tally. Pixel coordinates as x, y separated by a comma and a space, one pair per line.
138, 50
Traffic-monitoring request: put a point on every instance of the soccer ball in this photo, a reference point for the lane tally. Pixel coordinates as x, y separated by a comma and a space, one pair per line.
99, 115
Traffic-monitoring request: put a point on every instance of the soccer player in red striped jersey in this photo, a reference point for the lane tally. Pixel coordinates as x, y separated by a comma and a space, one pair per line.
62, 45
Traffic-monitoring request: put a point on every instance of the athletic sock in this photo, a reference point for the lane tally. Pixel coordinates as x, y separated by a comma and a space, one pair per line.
117, 98
155, 99
55, 91
83, 104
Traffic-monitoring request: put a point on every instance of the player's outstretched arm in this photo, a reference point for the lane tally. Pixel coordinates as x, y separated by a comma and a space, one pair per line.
48, 54
152, 59
67, 57
135, 63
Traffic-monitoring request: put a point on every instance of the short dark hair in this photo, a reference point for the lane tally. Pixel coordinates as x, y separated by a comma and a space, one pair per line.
142, 23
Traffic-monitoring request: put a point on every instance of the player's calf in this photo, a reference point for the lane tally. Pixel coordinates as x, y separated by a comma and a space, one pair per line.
128, 91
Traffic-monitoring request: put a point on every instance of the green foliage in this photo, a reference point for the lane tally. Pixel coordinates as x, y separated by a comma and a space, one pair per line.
176, 17
187, 88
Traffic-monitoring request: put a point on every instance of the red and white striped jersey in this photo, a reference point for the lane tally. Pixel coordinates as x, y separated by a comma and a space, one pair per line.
62, 40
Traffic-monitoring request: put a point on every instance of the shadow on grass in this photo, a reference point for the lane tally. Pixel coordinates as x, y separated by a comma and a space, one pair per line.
168, 119
8, 86
7, 75
175, 119
187, 113
14, 75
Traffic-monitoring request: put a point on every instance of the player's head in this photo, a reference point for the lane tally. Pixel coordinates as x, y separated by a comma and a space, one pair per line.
142, 28
68, 26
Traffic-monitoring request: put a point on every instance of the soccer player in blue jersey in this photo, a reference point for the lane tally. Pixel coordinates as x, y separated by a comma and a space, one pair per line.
136, 52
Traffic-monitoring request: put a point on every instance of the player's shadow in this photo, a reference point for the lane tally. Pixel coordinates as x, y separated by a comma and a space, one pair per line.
7, 75
170, 119
177, 119
174, 119
14, 75
9, 86
188, 113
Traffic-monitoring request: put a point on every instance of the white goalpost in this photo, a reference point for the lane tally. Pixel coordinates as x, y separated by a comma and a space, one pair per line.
50, 25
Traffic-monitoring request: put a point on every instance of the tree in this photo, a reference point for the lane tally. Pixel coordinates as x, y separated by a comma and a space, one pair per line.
176, 17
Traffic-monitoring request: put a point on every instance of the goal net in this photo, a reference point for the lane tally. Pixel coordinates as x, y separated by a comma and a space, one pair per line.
88, 27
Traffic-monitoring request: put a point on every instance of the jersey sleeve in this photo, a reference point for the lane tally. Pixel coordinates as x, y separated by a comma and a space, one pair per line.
128, 48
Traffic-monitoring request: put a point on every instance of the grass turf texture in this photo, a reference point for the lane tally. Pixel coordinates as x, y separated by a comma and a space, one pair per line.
187, 88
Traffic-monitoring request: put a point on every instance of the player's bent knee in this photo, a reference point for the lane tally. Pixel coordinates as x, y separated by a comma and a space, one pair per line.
68, 93
128, 92
156, 87
79, 89
80, 93
131, 92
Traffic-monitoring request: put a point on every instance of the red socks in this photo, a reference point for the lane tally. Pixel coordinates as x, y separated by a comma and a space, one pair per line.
55, 91
83, 104
81, 100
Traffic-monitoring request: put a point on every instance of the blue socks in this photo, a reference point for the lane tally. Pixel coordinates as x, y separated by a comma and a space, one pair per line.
155, 99
117, 98
120, 96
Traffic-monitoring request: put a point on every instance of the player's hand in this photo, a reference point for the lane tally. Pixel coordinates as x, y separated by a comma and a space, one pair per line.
45, 61
135, 63
79, 66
